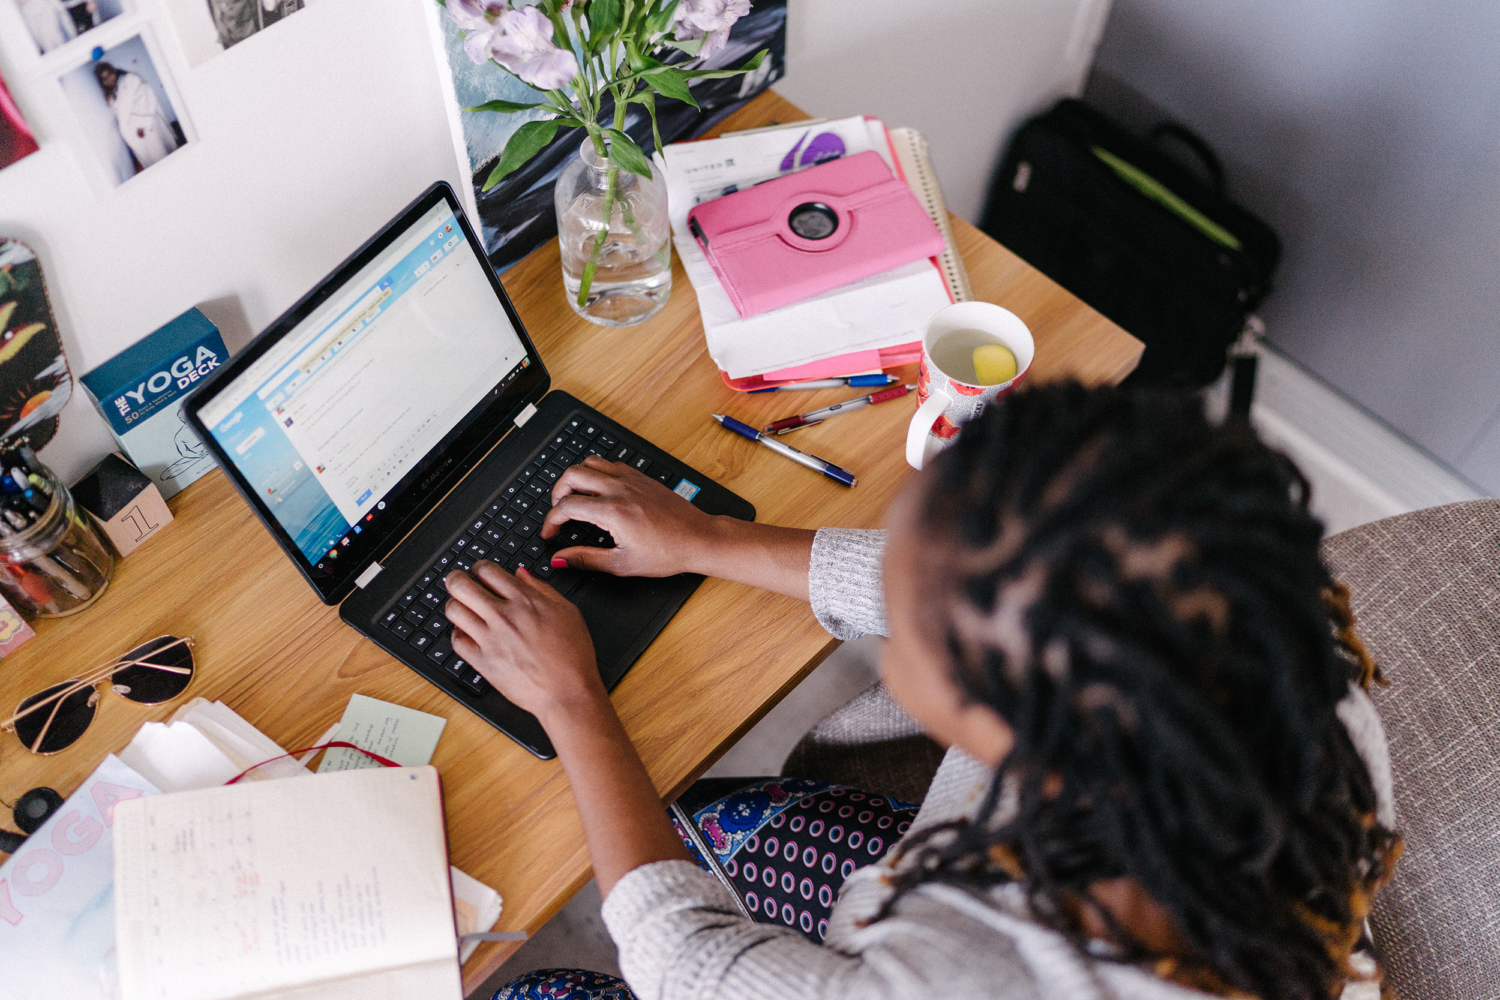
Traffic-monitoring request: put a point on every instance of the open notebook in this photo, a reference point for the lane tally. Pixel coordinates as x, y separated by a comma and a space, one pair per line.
331, 887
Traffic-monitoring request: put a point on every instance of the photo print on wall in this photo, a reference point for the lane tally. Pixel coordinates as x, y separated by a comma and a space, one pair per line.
516, 216
208, 27
124, 110
55, 23
16, 140
34, 379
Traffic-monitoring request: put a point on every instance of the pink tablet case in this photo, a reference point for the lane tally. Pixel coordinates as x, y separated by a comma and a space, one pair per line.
764, 265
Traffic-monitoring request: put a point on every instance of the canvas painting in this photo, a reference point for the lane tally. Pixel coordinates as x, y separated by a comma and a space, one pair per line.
124, 110
209, 27
16, 140
55, 23
516, 215
35, 383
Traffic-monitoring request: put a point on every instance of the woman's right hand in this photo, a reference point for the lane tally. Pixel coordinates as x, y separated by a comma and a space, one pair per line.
656, 532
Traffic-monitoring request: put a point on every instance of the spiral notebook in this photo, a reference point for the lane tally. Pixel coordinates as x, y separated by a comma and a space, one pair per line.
916, 166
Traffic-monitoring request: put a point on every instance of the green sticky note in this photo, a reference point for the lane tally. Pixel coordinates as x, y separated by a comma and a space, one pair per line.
401, 734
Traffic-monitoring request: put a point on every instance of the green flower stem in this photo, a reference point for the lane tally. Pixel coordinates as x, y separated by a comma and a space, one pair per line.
626, 212
663, 254
611, 195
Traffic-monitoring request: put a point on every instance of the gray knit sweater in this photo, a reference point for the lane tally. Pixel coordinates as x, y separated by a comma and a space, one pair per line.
681, 936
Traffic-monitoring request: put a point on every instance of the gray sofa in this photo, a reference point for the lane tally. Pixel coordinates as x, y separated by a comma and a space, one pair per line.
1425, 587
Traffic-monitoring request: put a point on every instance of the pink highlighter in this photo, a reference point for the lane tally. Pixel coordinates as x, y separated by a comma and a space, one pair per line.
813, 231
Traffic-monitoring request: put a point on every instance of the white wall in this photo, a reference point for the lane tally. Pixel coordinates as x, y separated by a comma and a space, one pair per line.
963, 72
1368, 135
310, 135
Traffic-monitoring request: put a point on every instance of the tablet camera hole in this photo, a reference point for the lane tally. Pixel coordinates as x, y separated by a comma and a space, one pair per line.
813, 220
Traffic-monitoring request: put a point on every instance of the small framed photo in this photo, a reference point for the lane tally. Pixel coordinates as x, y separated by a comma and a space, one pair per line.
126, 109
208, 27
55, 23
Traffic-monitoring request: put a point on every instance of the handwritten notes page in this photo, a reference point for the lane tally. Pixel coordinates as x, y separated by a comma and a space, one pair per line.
323, 888
401, 734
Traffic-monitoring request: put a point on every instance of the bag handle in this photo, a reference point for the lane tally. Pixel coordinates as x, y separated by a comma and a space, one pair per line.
1209, 160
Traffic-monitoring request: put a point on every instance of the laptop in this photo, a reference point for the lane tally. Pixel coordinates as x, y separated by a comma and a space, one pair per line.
395, 425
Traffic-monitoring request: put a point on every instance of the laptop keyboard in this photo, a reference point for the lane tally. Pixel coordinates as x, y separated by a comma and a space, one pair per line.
508, 531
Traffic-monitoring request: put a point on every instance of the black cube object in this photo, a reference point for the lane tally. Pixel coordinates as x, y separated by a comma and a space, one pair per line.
125, 501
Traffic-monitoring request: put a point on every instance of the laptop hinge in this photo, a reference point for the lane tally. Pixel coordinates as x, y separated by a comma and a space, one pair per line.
525, 414
370, 573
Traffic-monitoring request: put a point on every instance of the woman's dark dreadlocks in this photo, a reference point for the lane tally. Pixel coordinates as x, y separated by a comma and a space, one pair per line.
1139, 594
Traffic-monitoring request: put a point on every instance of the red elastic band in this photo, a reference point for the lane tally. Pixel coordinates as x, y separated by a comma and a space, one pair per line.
386, 762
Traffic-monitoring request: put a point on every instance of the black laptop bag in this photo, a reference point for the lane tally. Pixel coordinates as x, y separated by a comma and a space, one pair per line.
1146, 240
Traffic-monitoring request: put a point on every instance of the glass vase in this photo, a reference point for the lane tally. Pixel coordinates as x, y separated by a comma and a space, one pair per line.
613, 232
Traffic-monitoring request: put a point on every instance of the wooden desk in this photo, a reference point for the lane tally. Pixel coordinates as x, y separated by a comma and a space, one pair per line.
272, 652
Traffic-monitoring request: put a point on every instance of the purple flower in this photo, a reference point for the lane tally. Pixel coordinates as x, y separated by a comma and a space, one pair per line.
480, 21
519, 40
476, 15
709, 20
525, 48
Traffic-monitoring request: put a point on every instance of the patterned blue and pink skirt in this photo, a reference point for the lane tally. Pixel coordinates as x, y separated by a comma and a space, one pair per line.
786, 845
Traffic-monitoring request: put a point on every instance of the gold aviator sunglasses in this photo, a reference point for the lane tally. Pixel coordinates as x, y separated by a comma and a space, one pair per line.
151, 673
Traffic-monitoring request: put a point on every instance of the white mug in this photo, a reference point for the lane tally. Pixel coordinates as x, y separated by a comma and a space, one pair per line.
943, 401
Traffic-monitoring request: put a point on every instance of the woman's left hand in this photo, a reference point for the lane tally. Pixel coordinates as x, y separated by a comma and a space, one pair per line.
525, 639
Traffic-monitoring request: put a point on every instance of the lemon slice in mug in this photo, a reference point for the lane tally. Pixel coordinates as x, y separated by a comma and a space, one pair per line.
994, 364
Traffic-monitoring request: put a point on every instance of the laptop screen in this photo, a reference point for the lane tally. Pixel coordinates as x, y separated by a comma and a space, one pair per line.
354, 402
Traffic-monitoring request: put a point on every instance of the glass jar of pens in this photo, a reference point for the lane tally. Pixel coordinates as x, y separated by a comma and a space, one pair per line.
52, 560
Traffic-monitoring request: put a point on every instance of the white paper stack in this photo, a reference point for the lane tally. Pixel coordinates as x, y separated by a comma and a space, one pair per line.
476, 908
206, 743
880, 312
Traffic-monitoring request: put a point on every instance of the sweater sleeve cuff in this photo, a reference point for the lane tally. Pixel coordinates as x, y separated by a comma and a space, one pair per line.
844, 582
648, 890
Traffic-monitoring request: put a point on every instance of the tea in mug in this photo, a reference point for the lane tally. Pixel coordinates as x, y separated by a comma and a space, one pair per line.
974, 357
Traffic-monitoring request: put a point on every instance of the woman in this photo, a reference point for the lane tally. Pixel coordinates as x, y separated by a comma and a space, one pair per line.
138, 113
1116, 617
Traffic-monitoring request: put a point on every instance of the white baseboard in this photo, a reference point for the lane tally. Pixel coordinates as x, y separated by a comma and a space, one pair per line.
1360, 469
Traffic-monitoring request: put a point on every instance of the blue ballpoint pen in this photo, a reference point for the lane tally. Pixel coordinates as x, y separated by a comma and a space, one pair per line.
855, 381
800, 457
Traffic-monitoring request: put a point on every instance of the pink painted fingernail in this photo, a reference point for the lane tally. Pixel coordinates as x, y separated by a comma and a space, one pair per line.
558, 562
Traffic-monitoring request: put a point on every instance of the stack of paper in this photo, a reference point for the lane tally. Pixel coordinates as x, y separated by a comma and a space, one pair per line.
869, 324
205, 744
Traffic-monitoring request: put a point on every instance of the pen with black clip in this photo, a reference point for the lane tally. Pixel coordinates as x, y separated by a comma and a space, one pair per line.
827, 468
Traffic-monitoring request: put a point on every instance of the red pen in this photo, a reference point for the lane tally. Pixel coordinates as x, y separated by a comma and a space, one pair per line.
818, 416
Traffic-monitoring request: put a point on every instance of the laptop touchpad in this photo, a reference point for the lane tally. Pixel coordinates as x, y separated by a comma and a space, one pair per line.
618, 610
